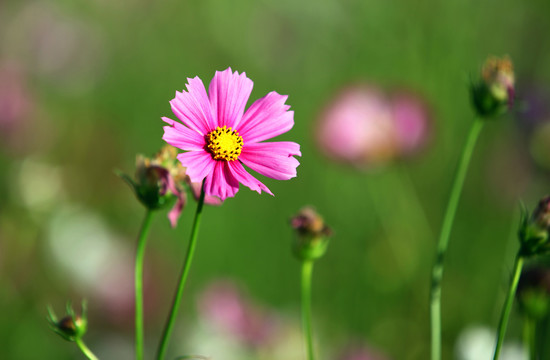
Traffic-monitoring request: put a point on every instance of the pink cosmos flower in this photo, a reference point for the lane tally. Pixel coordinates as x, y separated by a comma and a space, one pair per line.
219, 136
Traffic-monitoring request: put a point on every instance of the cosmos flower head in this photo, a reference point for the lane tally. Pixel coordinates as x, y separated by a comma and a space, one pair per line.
219, 136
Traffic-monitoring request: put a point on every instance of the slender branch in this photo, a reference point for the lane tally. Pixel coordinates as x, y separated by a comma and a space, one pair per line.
437, 270
307, 269
138, 281
503, 323
85, 350
529, 336
183, 278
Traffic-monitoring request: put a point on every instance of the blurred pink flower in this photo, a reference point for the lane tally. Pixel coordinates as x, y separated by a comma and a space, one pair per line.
364, 127
15, 100
412, 121
219, 136
225, 307
56, 45
357, 127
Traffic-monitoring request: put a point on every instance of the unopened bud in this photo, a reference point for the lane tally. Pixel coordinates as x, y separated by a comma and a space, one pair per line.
311, 234
72, 326
158, 181
534, 230
541, 215
493, 93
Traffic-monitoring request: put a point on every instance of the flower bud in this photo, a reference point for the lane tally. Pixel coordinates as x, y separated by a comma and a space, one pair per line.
71, 326
533, 232
311, 234
158, 181
493, 94
534, 292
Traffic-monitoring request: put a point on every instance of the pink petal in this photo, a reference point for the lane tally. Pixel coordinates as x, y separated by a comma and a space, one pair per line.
199, 164
273, 160
283, 148
220, 182
175, 213
181, 136
192, 107
246, 179
208, 199
266, 118
229, 93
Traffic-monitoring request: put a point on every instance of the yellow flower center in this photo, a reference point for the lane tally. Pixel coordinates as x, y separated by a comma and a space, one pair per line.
224, 144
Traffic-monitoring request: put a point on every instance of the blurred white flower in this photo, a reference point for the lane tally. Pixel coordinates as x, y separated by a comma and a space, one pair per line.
113, 346
82, 245
206, 340
478, 343
39, 185
94, 259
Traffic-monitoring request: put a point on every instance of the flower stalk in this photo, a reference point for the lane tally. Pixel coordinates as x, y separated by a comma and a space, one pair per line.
138, 281
310, 243
307, 270
183, 278
534, 239
503, 323
85, 350
530, 337
437, 270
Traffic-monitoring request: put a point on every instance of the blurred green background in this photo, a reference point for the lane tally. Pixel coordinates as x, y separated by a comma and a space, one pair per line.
96, 76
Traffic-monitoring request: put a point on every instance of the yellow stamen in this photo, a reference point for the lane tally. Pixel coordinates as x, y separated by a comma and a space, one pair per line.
224, 143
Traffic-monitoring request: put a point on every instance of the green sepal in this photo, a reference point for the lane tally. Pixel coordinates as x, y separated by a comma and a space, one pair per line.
485, 103
309, 247
147, 194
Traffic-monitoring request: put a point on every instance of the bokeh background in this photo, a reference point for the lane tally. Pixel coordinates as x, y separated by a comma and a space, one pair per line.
83, 85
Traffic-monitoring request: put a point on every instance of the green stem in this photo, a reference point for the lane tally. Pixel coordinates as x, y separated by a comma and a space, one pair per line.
437, 270
138, 281
183, 278
503, 323
307, 269
529, 336
85, 350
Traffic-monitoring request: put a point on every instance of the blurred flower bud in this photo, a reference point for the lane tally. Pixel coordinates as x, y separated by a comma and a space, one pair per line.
311, 234
534, 292
533, 232
72, 326
493, 94
158, 180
